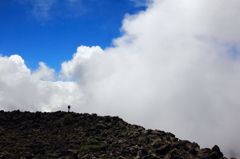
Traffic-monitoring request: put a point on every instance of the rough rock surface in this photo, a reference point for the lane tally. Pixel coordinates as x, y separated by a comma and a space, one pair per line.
63, 135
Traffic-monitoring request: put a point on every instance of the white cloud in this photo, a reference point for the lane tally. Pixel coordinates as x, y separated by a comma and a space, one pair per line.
43, 72
19, 89
15, 65
75, 67
175, 68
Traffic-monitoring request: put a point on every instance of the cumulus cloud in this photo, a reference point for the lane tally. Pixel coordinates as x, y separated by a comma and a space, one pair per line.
74, 69
44, 73
21, 89
176, 68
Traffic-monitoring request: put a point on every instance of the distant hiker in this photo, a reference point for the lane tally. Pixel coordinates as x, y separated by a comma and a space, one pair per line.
69, 107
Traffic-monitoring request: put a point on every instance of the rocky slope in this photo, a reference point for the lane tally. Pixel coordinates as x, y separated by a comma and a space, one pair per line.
63, 135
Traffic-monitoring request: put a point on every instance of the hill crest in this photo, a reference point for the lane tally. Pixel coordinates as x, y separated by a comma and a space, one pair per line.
31, 135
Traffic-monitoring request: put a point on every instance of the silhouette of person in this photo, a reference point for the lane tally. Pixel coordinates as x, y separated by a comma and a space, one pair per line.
69, 107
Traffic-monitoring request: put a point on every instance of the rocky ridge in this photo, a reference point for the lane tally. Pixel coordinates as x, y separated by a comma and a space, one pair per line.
62, 135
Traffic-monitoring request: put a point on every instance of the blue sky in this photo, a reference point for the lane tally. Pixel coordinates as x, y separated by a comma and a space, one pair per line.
50, 31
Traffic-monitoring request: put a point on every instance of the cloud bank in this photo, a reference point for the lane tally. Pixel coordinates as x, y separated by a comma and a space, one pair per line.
21, 89
176, 68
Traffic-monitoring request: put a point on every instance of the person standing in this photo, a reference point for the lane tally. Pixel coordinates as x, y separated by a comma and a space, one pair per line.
69, 108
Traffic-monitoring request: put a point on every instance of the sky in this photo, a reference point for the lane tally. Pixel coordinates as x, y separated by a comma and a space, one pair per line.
162, 64
55, 28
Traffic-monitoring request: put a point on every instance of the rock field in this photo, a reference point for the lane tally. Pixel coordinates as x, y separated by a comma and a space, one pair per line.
63, 135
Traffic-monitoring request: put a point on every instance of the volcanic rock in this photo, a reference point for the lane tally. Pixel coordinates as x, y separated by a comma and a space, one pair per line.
61, 135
